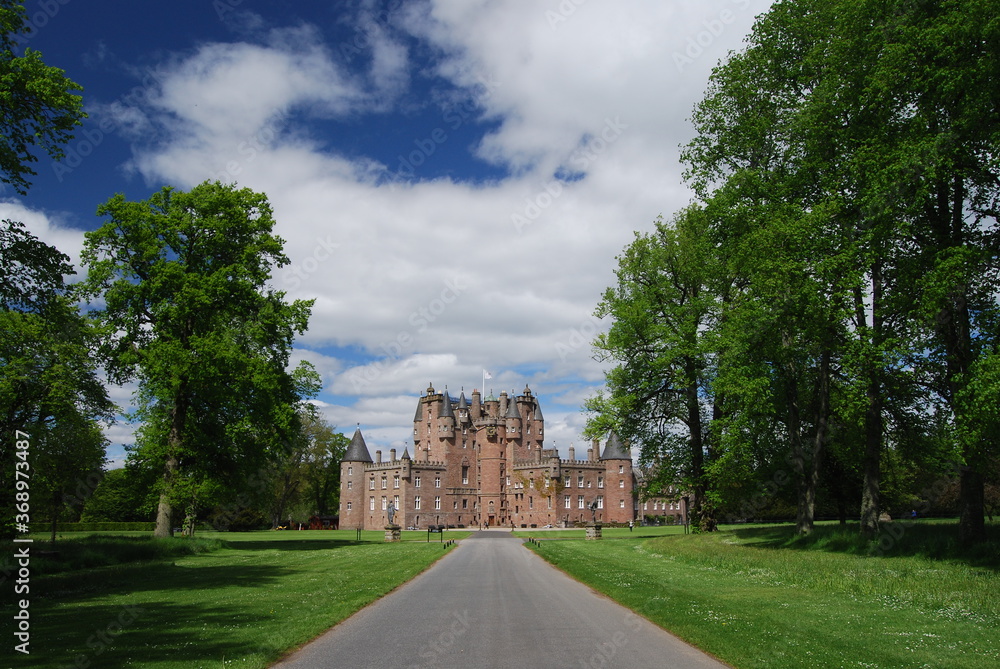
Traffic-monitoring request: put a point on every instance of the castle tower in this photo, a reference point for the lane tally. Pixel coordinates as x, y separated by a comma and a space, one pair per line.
352, 479
618, 503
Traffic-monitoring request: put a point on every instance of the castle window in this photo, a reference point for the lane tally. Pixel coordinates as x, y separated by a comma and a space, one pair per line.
385, 503
437, 502
600, 481
579, 481
385, 483
437, 481
395, 481
395, 502
371, 503
350, 471
590, 483
568, 483
416, 481
621, 469
531, 502
531, 483
465, 474
600, 501
579, 502
465, 504
348, 506
550, 501
371, 483
508, 480
349, 484
621, 504
416, 502
566, 502
621, 483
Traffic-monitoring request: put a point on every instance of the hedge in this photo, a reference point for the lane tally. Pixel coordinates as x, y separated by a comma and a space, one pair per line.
103, 526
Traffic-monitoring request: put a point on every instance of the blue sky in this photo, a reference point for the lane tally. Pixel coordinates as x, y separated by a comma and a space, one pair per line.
453, 178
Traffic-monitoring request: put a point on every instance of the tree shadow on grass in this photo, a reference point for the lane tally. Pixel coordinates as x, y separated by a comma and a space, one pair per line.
290, 545
111, 636
934, 541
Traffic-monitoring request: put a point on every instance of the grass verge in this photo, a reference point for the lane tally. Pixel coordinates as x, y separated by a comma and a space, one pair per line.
758, 597
257, 595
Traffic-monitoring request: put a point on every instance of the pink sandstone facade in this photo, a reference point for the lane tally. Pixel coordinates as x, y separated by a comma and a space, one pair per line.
481, 463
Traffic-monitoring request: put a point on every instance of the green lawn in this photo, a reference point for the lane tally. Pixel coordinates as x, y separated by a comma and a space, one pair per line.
241, 605
756, 597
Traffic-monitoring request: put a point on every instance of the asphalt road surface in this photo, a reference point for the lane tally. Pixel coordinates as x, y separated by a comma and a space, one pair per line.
492, 604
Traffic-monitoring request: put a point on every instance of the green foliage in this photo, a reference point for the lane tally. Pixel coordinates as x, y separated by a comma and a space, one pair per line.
845, 164
120, 496
49, 387
188, 314
40, 108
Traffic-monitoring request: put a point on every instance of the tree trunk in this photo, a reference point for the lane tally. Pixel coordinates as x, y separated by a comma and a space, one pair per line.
971, 499
696, 448
178, 416
810, 475
874, 424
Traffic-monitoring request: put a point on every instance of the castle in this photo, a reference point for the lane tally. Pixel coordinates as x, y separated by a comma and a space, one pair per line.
479, 463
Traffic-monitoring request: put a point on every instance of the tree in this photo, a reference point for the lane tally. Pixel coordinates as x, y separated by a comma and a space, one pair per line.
878, 118
666, 299
48, 379
39, 109
183, 279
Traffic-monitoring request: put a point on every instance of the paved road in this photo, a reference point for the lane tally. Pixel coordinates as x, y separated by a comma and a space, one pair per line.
492, 604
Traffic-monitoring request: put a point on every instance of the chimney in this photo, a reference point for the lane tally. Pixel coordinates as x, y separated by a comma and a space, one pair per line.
572, 453
392, 455
378, 457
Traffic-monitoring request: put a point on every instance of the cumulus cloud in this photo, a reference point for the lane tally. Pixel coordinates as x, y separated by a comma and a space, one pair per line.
432, 279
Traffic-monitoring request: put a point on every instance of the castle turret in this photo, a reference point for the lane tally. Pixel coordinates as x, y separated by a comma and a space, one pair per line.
620, 504
352, 478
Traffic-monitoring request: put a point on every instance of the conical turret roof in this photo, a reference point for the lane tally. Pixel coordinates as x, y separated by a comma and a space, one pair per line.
615, 449
446, 410
419, 414
462, 402
358, 450
512, 411
538, 410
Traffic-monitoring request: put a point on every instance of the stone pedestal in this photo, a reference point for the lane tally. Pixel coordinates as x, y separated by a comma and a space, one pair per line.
391, 533
593, 532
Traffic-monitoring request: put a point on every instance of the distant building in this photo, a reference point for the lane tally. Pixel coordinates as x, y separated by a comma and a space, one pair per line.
483, 463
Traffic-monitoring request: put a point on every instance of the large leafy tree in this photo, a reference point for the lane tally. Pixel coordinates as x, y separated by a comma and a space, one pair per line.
38, 106
878, 120
183, 281
49, 386
665, 303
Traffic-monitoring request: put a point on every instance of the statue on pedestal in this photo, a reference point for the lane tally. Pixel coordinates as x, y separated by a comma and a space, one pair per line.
390, 511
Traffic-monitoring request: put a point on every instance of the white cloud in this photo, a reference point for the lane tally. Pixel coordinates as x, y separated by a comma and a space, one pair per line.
49, 228
436, 279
